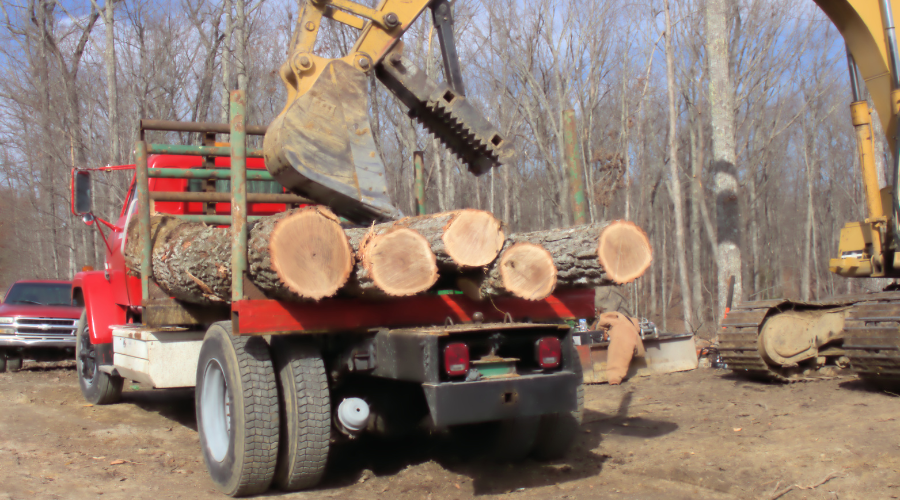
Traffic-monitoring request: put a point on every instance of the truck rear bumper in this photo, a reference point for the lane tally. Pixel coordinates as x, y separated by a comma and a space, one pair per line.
456, 403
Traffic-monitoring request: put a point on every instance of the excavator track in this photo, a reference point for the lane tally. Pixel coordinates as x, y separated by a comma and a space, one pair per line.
871, 337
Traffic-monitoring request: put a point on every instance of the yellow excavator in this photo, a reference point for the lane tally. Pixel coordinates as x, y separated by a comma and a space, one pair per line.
786, 340
322, 146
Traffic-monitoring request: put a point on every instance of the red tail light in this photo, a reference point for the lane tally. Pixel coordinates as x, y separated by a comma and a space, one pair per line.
456, 359
548, 352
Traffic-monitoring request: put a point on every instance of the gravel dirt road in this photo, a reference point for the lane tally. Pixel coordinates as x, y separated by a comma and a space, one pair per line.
700, 434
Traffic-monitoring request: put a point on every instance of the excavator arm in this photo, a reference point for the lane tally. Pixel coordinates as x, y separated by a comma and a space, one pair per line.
322, 144
868, 248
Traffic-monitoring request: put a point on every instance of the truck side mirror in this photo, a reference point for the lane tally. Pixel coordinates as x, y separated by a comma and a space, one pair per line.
81, 202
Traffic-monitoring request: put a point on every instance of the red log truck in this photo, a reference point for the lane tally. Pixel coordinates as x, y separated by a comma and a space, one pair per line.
276, 382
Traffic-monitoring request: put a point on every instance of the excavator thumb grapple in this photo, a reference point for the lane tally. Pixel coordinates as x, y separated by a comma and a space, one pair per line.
322, 144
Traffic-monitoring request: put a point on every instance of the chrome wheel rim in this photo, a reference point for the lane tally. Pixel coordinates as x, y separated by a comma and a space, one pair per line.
215, 411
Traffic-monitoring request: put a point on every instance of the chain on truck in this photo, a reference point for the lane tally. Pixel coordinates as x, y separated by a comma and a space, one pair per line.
278, 382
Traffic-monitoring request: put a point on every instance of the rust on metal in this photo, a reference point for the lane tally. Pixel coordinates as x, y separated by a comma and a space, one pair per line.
573, 166
238, 195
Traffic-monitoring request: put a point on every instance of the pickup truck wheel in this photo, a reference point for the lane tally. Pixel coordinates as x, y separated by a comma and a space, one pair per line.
514, 438
2, 361
557, 431
237, 411
97, 387
305, 414
14, 362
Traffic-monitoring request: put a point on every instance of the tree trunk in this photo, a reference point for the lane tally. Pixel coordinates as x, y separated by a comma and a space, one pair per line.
696, 229
300, 254
675, 179
721, 100
534, 264
240, 45
807, 249
112, 85
459, 239
226, 61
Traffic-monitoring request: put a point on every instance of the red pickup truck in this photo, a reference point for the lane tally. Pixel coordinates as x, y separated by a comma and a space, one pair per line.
37, 321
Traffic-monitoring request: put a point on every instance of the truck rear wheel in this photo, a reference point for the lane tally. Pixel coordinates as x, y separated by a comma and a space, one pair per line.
305, 414
557, 431
237, 411
97, 387
515, 438
14, 361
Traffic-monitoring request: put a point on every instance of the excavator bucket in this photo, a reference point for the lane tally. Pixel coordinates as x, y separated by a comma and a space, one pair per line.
664, 354
322, 147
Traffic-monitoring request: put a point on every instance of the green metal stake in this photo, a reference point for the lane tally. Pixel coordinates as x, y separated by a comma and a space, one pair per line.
238, 196
573, 165
419, 164
143, 192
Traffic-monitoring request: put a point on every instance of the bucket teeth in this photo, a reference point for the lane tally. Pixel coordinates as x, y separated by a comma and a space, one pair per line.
461, 128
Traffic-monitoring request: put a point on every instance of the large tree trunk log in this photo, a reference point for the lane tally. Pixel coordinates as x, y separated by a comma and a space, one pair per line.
393, 261
532, 265
459, 239
300, 254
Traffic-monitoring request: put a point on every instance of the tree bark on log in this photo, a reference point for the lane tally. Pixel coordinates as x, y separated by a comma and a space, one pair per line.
601, 254
192, 261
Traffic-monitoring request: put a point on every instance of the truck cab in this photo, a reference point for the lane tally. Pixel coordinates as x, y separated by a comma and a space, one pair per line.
114, 286
37, 321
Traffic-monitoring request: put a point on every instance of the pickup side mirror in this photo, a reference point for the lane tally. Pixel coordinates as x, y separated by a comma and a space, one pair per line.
81, 192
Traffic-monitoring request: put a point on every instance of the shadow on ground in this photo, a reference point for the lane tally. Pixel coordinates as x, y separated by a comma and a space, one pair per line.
461, 453
886, 387
467, 454
174, 404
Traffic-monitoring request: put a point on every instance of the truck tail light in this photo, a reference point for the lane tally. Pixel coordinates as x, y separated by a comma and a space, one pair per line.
548, 352
456, 359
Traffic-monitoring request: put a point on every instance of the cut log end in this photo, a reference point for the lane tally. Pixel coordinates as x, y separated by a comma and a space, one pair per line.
527, 271
311, 254
401, 262
624, 251
473, 238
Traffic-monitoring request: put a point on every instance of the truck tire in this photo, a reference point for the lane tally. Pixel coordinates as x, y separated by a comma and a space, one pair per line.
14, 362
558, 431
97, 387
514, 438
305, 414
237, 411
2, 361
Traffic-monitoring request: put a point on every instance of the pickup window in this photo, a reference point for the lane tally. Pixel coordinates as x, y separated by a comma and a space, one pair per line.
43, 294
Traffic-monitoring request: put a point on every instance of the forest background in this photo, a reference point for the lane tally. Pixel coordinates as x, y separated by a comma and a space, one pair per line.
77, 75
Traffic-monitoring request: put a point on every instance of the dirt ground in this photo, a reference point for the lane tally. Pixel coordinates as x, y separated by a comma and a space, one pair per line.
700, 434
